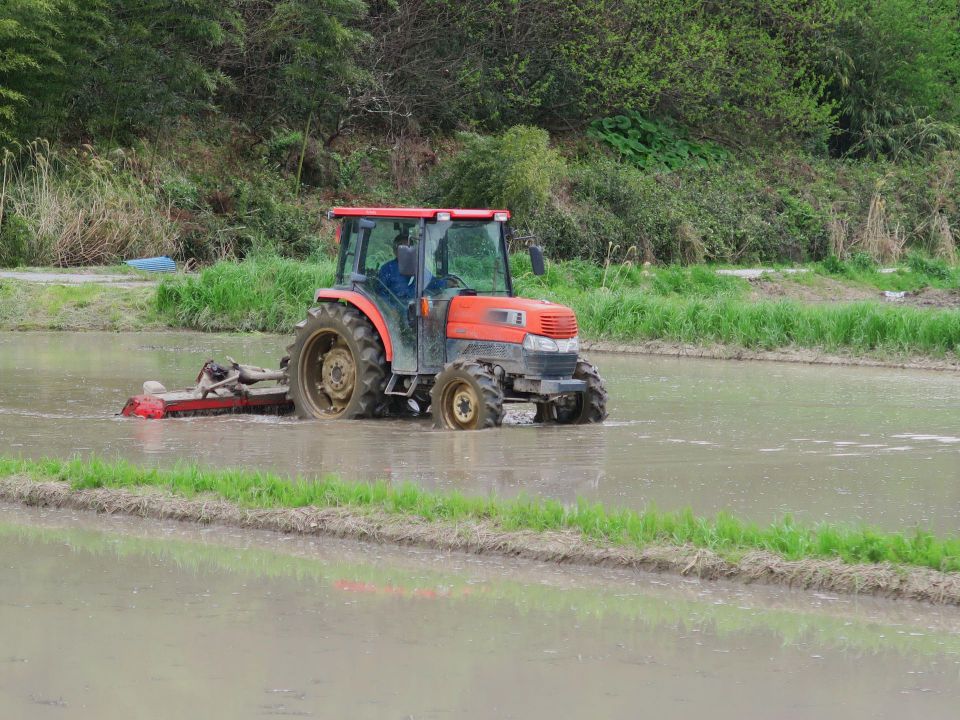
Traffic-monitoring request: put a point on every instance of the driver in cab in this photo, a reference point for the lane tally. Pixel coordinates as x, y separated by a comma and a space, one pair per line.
404, 287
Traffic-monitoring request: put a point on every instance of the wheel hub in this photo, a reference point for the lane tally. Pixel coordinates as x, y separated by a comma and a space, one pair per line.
464, 405
338, 374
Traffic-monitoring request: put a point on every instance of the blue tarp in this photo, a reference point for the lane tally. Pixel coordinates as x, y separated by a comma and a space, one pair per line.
154, 264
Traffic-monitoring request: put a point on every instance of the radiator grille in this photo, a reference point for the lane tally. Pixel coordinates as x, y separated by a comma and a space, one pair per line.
558, 325
550, 365
485, 350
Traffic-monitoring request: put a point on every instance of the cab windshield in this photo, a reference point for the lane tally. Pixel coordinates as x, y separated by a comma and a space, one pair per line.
468, 254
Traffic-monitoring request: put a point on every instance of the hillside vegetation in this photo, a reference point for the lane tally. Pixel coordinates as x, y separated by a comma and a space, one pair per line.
617, 130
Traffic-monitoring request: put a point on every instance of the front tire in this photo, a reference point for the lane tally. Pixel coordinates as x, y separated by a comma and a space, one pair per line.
337, 366
466, 396
578, 408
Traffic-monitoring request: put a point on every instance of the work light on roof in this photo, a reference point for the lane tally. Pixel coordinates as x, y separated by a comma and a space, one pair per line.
443, 216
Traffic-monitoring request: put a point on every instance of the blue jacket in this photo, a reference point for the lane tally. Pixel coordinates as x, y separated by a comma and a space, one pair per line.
402, 286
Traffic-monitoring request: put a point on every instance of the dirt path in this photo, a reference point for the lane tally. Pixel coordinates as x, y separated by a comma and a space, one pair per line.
755, 273
53, 278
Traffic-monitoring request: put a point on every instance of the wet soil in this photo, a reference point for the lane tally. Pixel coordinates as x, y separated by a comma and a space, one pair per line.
804, 356
933, 298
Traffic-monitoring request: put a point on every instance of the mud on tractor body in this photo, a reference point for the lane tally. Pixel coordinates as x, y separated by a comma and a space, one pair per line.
423, 314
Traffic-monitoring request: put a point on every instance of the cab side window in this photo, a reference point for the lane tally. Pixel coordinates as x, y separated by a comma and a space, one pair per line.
380, 262
380, 246
348, 243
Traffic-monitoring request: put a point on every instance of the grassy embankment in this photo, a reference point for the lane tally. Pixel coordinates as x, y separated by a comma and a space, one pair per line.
620, 303
724, 535
623, 303
36, 306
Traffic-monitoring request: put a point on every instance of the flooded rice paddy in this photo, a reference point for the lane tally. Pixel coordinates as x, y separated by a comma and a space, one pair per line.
110, 618
844, 444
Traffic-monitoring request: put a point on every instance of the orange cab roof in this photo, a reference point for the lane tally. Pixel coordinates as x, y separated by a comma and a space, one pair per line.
429, 213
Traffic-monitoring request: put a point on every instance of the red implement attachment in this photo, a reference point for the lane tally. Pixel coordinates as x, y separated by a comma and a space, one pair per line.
264, 401
219, 390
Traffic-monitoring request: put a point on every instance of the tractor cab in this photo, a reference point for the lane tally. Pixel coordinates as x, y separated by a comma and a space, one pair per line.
412, 265
423, 313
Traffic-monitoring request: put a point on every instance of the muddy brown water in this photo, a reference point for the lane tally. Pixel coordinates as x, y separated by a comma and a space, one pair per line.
110, 618
847, 444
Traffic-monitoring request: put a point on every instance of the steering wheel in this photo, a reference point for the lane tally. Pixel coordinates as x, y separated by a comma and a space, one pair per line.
457, 278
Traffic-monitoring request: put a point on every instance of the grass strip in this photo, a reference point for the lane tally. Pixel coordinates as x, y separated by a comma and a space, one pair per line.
264, 294
858, 327
723, 534
693, 305
40, 306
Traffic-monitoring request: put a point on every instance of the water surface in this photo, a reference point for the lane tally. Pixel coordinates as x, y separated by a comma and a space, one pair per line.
849, 444
114, 618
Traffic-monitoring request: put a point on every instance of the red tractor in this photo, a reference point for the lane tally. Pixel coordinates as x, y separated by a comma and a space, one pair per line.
423, 314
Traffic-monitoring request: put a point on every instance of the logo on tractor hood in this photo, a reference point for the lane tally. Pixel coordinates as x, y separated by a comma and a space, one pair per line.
514, 318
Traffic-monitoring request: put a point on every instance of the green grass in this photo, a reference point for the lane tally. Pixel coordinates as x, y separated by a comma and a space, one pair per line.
577, 276
690, 305
695, 305
266, 294
859, 327
723, 533
39, 306
916, 273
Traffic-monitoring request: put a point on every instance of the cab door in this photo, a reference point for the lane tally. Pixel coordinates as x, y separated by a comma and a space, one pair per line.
395, 296
435, 295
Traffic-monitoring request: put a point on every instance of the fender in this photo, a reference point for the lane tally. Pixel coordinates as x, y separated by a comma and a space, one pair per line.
366, 307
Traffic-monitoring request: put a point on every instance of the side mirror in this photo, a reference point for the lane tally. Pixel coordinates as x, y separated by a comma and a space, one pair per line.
367, 224
536, 260
407, 260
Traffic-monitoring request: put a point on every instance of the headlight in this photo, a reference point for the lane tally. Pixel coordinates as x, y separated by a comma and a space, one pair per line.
570, 346
539, 343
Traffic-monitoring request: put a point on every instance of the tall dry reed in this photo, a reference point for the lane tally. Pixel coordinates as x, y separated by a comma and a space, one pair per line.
877, 238
81, 208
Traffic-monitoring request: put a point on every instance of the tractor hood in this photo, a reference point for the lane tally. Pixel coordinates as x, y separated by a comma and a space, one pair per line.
506, 319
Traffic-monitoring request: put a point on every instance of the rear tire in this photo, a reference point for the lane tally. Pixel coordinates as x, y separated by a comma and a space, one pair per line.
583, 408
466, 396
337, 366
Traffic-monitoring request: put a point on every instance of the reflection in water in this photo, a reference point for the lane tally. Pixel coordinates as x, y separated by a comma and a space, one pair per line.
216, 623
758, 439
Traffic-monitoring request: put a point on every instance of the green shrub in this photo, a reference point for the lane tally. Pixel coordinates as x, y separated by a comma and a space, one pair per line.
832, 265
272, 224
181, 192
863, 261
516, 170
931, 267
727, 213
282, 144
15, 241
653, 145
